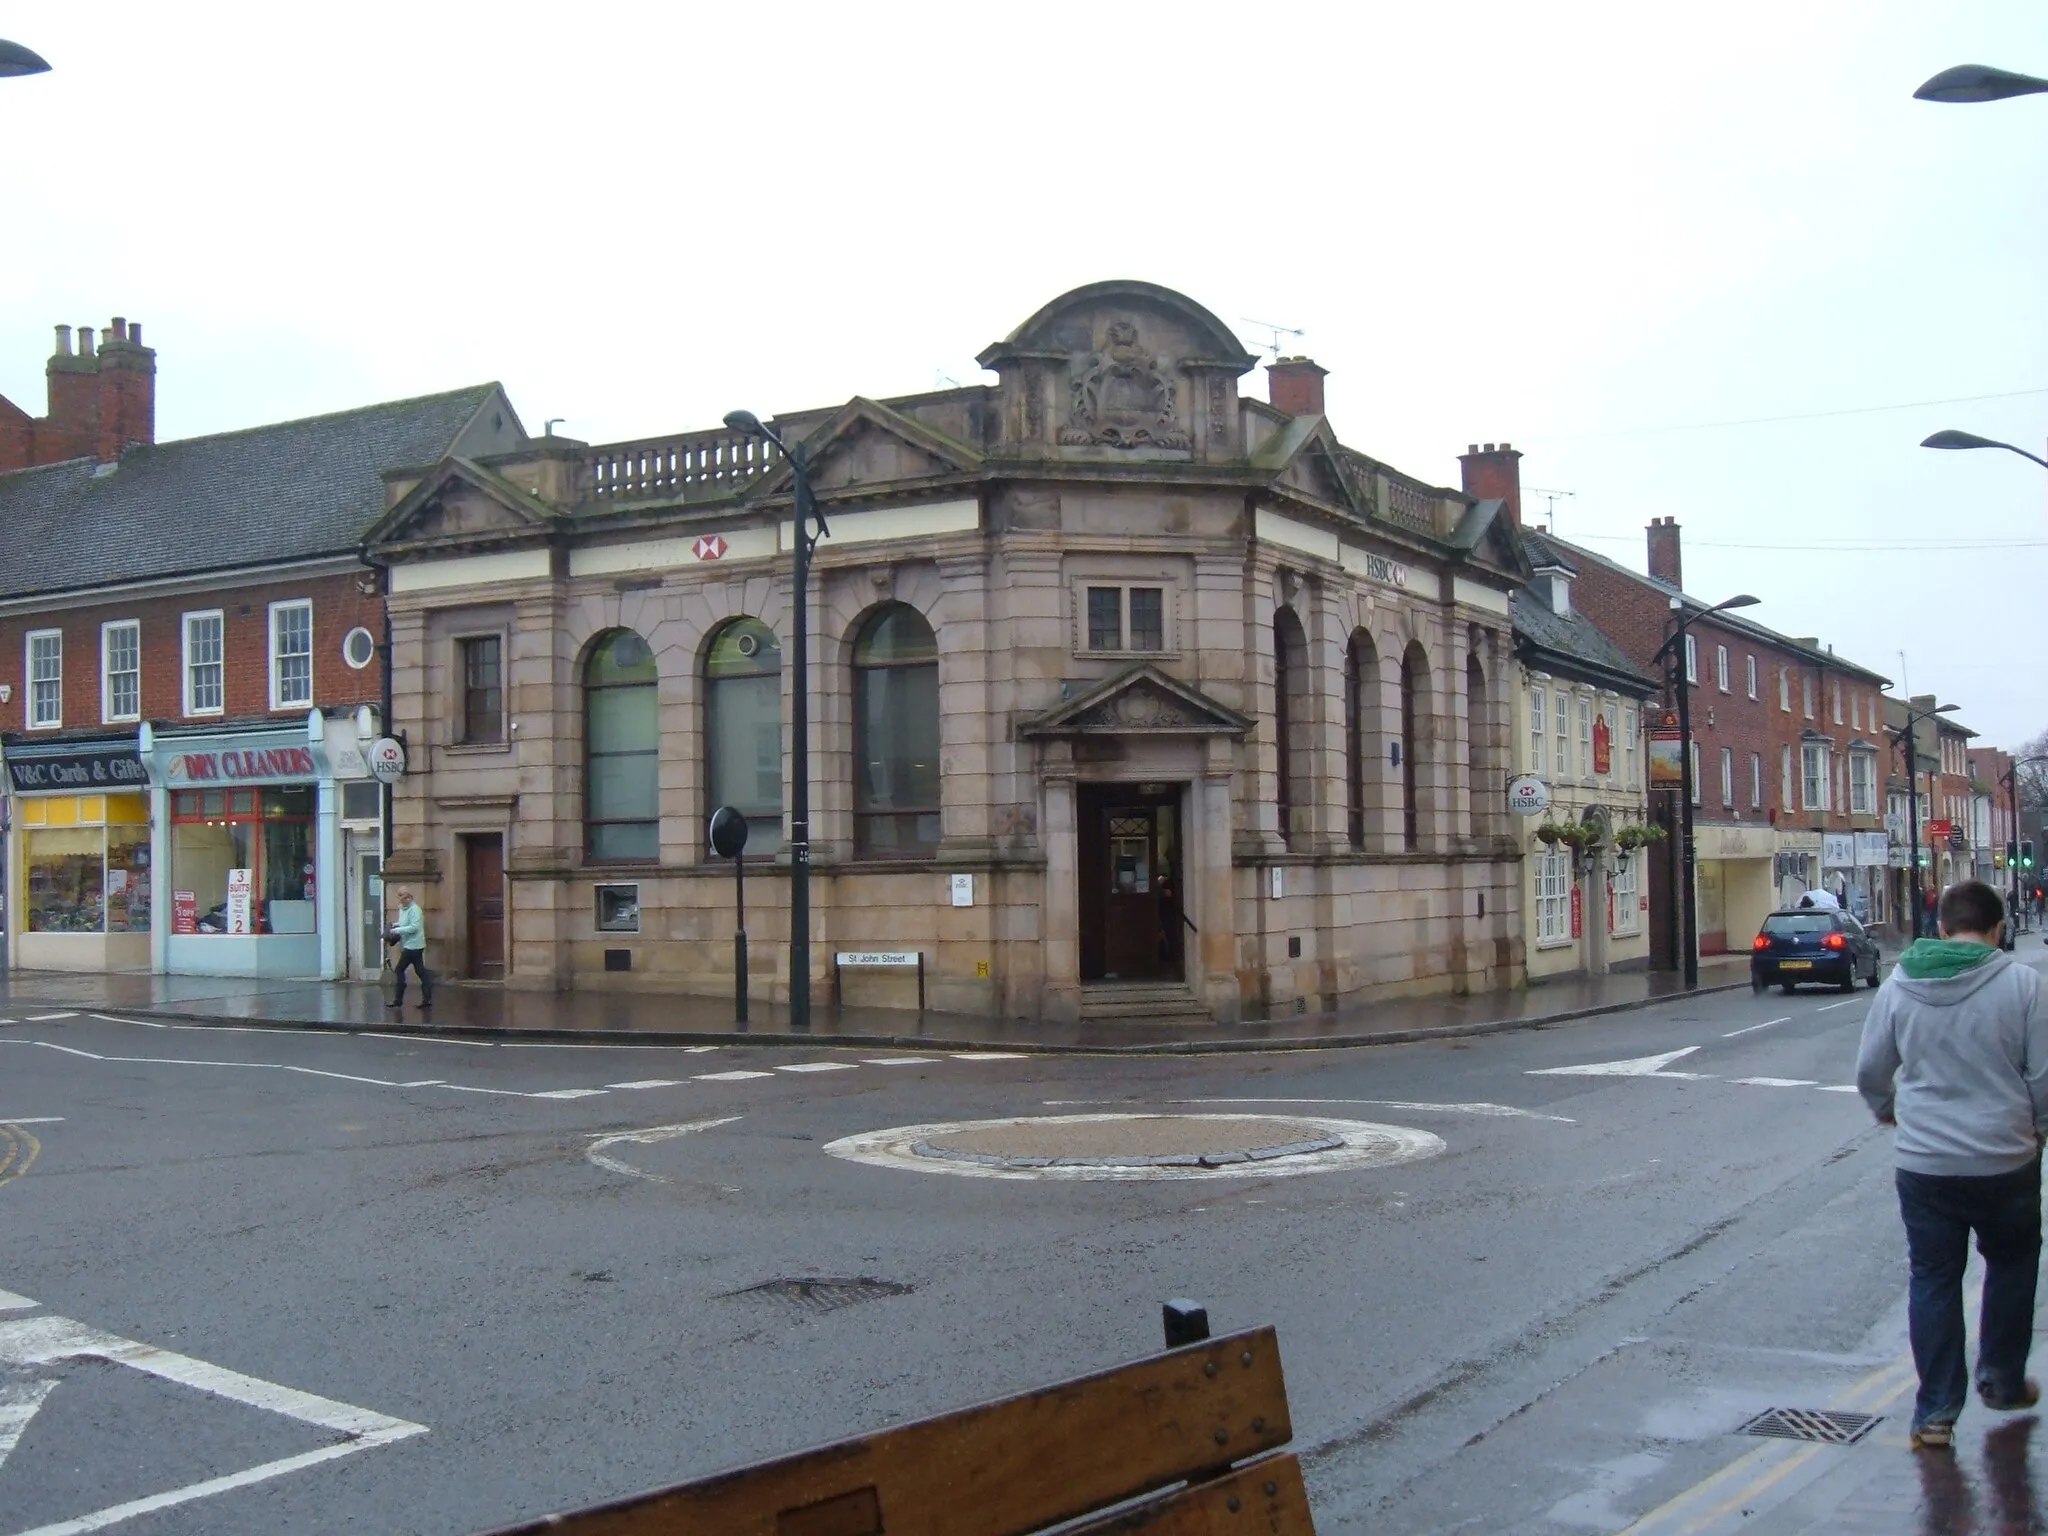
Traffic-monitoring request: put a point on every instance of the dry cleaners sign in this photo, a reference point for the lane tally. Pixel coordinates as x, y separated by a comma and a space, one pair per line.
241, 765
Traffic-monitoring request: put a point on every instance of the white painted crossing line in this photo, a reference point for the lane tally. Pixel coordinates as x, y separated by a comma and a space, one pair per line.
1777, 1082
898, 1061
44, 1018
1841, 1088
567, 1093
988, 1055
108, 1018
595, 1045
650, 1082
31, 1119
1746, 1029
1831, 1007
727, 1077
817, 1066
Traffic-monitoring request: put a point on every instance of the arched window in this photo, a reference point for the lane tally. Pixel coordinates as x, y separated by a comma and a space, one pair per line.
1361, 704
1414, 704
1477, 729
743, 729
622, 744
1290, 717
896, 735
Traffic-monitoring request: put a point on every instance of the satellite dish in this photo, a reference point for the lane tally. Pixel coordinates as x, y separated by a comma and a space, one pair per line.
728, 832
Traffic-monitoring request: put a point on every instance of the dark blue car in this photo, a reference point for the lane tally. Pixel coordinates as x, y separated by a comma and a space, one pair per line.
1812, 944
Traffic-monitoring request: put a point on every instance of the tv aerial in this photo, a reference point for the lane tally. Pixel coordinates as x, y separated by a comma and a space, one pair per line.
1551, 496
1278, 331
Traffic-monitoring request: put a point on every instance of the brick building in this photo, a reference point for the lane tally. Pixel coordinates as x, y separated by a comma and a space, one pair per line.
190, 657
1788, 741
1130, 697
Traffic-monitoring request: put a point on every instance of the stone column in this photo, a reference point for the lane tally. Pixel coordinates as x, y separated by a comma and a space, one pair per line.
1060, 831
1212, 891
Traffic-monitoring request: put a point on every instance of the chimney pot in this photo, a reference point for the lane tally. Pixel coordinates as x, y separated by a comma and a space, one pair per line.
63, 341
135, 333
1295, 385
1471, 447
118, 330
85, 341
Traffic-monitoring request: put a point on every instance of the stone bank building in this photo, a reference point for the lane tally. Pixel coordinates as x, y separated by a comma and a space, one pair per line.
1130, 695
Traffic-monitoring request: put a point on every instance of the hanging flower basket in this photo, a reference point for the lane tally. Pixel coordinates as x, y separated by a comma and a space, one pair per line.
1548, 833
1637, 834
1578, 835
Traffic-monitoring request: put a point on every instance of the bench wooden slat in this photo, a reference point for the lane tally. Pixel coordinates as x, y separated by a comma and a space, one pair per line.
1264, 1498
999, 1469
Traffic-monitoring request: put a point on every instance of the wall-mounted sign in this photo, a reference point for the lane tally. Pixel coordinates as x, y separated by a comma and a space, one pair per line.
1382, 569
1578, 910
387, 760
1873, 850
1667, 760
96, 769
246, 765
710, 547
1528, 795
963, 890
1603, 746
241, 901
1936, 831
1838, 850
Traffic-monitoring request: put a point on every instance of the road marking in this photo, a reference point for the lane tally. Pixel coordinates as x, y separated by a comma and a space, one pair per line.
1507, 1111
44, 1018
1767, 1023
108, 1018
31, 1119
1841, 1088
567, 1093
571, 1045
817, 1066
1639, 1066
1777, 1082
654, 1133
898, 1061
9, 1302
727, 1077
1844, 1003
45, 1340
989, 1056
650, 1082
18, 1151
18, 1404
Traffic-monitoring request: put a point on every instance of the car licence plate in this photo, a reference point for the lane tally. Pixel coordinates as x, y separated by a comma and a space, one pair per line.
1795, 965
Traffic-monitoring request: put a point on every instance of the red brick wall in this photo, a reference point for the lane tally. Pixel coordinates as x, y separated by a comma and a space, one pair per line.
338, 606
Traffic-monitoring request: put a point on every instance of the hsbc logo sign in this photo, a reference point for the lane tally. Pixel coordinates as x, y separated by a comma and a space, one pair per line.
709, 547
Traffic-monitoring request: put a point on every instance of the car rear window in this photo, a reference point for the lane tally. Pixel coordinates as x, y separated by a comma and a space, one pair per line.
1785, 924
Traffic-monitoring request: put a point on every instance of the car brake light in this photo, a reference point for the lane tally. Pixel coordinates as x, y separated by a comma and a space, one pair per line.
1760, 942
1834, 941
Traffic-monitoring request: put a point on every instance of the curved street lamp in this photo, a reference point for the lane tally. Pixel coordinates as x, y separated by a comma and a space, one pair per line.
750, 425
1954, 439
17, 60
1978, 82
1674, 648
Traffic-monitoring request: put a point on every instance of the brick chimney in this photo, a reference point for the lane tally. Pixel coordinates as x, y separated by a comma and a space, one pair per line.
1494, 473
102, 400
127, 413
1295, 385
1664, 562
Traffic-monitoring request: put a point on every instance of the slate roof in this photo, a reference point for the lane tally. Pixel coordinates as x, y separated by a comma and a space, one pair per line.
292, 490
1547, 548
1573, 639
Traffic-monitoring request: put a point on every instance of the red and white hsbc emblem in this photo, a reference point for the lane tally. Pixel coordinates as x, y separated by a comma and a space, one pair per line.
710, 547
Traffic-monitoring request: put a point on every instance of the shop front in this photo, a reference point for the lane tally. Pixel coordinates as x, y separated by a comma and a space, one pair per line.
79, 856
249, 877
1796, 868
1734, 891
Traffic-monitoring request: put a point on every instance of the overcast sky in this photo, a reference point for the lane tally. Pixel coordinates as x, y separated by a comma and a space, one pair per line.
1615, 235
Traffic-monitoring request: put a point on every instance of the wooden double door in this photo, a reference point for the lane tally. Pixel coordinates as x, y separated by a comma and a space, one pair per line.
1133, 922
484, 880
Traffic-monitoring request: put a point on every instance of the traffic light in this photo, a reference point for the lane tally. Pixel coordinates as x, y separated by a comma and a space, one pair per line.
2026, 853
2012, 855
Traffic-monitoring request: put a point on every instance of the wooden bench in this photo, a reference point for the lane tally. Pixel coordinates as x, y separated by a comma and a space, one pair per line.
1185, 1443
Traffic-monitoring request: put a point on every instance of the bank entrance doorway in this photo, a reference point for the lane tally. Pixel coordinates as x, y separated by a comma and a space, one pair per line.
1132, 879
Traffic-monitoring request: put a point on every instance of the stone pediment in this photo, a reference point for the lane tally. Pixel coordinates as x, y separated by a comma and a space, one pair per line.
1309, 462
1141, 700
867, 446
461, 502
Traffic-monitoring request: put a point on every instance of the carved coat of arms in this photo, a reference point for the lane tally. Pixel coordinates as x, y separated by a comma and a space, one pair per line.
1122, 397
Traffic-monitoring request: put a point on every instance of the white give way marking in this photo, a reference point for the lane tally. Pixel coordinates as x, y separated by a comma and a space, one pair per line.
1639, 1066
596, 1153
29, 1342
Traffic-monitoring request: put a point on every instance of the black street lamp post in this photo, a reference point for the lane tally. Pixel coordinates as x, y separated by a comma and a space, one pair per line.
1954, 439
806, 511
1978, 82
1904, 739
1674, 648
17, 60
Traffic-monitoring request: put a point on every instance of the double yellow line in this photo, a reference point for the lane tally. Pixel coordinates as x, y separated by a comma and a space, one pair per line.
18, 1151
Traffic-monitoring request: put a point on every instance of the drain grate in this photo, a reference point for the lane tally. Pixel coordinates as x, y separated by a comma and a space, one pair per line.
1823, 1425
823, 1295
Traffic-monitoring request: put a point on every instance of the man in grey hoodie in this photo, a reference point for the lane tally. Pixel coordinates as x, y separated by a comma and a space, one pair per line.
1955, 1054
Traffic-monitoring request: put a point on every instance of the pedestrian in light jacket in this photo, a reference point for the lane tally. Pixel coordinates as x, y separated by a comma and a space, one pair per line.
1955, 1055
409, 933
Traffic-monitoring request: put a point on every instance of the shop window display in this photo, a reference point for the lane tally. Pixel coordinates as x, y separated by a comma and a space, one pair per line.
85, 864
267, 832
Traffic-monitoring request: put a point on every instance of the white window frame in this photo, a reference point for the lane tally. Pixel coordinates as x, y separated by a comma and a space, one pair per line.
1835, 695
1692, 657
1585, 738
1697, 788
1610, 712
1628, 917
185, 623
1756, 781
1785, 689
1749, 670
1721, 667
1539, 740
108, 714
1814, 774
1554, 897
1561, 728
1806, 692
1856, 711
277, 698
36, 721
1628, 747
1728, 777
1169, 615
1786, 787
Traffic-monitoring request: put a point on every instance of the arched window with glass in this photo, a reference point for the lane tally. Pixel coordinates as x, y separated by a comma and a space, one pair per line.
896, 735
743, 729
1414, 707
1290, 719
622, 748
1361, 706
1478, 788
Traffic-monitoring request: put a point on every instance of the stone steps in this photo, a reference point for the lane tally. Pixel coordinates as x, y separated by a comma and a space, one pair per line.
1143, 1002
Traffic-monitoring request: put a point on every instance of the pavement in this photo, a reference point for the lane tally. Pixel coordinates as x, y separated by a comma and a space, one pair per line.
255, 1280
474, 1009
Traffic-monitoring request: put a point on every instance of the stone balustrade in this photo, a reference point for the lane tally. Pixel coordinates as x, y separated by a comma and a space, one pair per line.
688, 466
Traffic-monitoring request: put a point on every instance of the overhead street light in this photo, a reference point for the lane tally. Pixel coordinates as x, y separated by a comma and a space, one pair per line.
1903, 739
1954, 439
1674, 648
17, 60
806, 511
1978, 82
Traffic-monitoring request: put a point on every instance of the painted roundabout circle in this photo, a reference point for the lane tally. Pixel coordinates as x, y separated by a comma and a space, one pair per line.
1139, 1146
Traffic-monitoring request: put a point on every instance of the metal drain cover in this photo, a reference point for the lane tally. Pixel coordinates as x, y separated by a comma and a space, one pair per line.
823, 1295
1826, 1426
